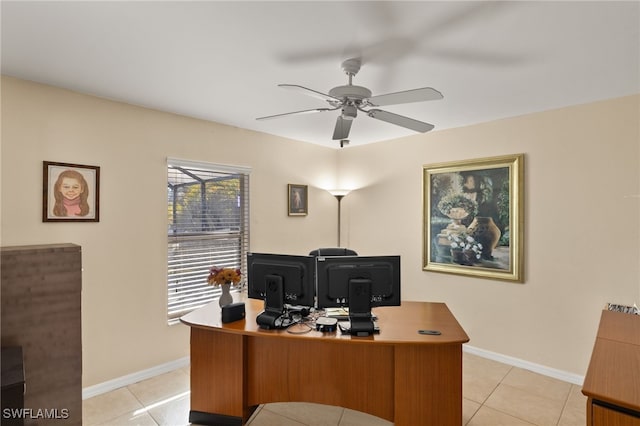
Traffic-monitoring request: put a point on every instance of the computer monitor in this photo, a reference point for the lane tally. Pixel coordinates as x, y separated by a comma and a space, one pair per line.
280, 280
359, 283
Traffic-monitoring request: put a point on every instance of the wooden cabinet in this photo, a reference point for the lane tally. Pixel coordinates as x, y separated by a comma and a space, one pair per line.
611, 417
41, 298
612, 383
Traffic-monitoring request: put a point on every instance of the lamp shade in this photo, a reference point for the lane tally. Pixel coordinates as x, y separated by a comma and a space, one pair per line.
339, 192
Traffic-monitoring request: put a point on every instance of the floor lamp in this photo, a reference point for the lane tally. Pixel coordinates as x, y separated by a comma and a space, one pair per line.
339, 194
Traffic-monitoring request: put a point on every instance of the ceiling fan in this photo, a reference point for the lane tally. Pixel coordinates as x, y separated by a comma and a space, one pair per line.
350, 99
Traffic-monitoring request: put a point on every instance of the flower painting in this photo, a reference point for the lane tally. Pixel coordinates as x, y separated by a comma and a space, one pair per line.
473, 217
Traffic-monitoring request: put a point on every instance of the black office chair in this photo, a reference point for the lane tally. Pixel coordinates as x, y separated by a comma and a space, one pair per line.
333, 251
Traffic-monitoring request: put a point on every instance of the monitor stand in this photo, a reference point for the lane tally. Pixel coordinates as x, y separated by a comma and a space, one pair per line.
360, 307
268, 320
360, 326
274, 308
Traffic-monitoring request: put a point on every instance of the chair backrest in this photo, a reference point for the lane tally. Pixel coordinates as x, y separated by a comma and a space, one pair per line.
333, 251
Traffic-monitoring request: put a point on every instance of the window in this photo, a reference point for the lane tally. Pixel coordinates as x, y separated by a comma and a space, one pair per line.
208, 212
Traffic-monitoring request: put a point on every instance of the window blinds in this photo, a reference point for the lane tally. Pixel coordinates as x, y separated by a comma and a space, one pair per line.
208, 224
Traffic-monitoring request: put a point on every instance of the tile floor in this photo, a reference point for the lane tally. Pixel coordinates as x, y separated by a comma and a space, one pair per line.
495, 394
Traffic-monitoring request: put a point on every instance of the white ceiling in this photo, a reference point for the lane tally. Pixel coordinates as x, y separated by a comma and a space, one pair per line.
222, 61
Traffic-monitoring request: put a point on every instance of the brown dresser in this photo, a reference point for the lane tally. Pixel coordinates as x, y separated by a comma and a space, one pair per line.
41, 299
612, 383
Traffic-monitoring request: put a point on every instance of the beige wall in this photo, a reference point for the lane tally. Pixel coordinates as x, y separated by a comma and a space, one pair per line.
582, 216
582, 225
124, 255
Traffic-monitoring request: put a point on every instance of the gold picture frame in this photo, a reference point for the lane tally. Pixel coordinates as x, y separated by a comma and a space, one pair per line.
298, 200
473, 217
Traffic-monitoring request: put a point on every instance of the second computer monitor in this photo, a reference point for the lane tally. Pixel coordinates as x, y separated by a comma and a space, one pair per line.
376, 278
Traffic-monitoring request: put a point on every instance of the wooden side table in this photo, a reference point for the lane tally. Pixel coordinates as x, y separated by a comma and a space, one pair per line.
612, 383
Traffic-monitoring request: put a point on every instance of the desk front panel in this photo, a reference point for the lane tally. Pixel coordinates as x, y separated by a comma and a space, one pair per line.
217, 373
356, 376
428, 385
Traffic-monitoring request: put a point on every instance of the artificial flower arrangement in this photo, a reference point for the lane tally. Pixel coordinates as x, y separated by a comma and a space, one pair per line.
218, 276
465, 242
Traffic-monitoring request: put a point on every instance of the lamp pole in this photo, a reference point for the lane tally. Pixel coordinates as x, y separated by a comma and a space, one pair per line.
339, 198
339, 194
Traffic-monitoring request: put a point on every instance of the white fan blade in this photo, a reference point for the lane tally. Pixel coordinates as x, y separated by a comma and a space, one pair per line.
309, 92
399, 120
342, 128
306, 111
405, 97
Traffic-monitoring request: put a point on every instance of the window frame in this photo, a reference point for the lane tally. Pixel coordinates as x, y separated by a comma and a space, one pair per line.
197, 259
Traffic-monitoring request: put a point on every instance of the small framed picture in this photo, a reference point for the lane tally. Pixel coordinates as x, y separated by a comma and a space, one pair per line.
70, 192
298, 200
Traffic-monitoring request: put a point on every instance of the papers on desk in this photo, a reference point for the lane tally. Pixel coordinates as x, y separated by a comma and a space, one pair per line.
337, 313
622, 308
342, 314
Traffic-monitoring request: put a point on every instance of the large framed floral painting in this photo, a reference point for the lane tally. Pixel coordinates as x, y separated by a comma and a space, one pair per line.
473, 217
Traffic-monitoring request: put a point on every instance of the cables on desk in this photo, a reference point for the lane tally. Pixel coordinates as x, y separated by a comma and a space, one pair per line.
303, 323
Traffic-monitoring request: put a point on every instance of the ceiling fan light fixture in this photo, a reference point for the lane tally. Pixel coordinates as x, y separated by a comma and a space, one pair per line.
349, 112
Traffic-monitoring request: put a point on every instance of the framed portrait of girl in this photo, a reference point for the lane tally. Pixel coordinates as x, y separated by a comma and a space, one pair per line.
71, 192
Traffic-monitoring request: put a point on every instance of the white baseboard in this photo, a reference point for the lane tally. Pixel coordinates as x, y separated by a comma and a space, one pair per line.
132, 378
576, 379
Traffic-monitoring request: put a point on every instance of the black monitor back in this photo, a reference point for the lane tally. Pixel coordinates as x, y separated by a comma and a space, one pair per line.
334, 273
296, 273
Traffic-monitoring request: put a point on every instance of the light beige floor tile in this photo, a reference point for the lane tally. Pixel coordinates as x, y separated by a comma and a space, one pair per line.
576, 399
476, 365
573, 418
537, 384
469, 409
528, 406
357, 418
308, 413
481, 376
174, 412
268, 418
489, 417
131, 419
478, 388
107, 406
575, 410
161, 387
255, 414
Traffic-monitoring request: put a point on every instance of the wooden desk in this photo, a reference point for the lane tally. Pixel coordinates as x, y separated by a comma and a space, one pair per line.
612, 383
398, 374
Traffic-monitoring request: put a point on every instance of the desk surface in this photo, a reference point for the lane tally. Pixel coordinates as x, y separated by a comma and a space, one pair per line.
398, 324
615, 362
